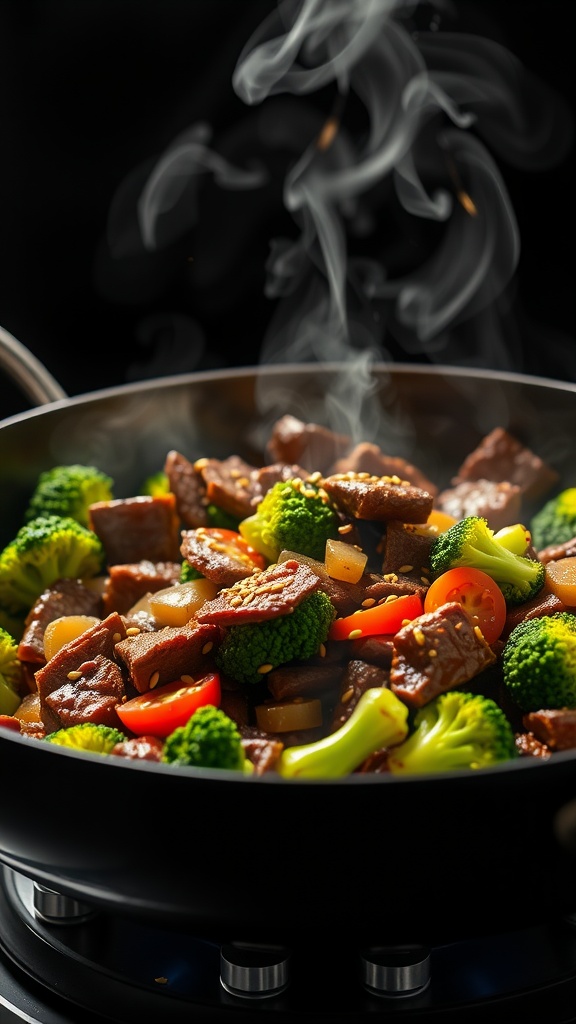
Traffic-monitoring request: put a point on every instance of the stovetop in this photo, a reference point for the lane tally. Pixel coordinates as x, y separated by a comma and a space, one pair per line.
63, 962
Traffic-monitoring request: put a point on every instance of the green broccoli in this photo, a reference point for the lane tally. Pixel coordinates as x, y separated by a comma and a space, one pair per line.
294, 514
44, 550
156, 484
220, 519
210, 739
69, 491
555, 522
88, 736
247, 652
189, 572
539, 662
379, 720
455, 730
471, 542
10, 673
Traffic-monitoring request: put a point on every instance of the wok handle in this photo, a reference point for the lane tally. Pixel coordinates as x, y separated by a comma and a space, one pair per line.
27, 371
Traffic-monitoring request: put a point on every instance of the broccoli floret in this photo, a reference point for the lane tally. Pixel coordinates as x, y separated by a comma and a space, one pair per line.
89, 736
220, 519
539, 662
44, 550
210, 739
471, 542
455, 730
10, 673
69, 491
156, 484
249, 651
555, 522
379, 720
294, 515
189, 572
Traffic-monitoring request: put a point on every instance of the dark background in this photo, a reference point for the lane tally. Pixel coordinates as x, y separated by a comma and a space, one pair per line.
93, 90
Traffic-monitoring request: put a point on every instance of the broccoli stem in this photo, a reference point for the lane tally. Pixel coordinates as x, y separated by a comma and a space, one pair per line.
378, 720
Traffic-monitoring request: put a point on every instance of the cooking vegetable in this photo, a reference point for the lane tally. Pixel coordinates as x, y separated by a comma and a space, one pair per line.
380, 619
379, 720
455, 730
189, 572
294, 514
10, 672
561, 579
44, 550
175, 605
69, 491
218, 517
539, 662
344, 561
471, 542
64, 629
159, 712
555, 522
88, 736
478, 594
289, 715
156, 483
210, 739
248, 652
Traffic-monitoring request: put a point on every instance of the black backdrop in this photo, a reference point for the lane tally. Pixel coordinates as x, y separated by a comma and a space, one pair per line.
93, 90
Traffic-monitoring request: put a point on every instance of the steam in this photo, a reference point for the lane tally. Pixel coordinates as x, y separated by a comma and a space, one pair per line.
420, 177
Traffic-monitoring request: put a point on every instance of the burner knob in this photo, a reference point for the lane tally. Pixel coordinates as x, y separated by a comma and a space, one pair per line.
253, 970
396, 970
56, 908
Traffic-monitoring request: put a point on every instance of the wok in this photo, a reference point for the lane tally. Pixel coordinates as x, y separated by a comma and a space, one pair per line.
416, 859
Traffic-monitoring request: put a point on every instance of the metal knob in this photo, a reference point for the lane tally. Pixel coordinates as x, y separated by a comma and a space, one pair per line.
252, 970
396, 970
56, 908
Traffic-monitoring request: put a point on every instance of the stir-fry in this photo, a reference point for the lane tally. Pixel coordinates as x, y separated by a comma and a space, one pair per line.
330, 612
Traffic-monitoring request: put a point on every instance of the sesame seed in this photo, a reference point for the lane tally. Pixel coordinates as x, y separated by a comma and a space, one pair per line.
425, 581
347, 696
347, 528
263, 669
406, 568
73, 676
322, 650
207, 647
133, 631
116, 637
187, 679
432, 653
419, 637
154, 680
369, 602
354, 634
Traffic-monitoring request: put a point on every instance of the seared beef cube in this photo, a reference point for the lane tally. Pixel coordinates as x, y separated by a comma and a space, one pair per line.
499, 502
302, 680
312, 446
64, 597
556, 727
406, 551
189, 489
501, 456
83, 681
212, 554
229, 484
155, 659
377, 650
234, 703
140, 748
137, 529
436, 652
556, 551
544, 603
126, 584
264, 595
369, 458
358, 677
378, 499
262, 750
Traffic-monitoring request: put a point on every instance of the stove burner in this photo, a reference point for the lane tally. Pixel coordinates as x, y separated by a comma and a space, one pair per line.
64, 962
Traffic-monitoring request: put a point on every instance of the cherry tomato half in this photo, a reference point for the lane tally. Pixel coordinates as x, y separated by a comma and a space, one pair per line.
385, 618
478, 594
159, 712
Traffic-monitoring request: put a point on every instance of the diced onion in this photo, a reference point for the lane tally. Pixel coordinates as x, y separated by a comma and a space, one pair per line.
561, 579
344, 561
289, 716
175, 605
64, 629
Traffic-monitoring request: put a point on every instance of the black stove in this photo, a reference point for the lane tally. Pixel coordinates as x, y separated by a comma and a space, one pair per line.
64, 962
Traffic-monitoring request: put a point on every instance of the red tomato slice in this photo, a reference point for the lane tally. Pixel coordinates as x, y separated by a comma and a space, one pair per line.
386, 618
159, 712
478, 594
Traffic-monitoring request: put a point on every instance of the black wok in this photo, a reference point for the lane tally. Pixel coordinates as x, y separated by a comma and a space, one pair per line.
421, 859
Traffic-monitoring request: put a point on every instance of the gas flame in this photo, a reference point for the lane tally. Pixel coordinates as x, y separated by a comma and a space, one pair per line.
419, 177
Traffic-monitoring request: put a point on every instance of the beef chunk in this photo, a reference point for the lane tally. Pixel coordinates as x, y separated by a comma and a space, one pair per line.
544, 603
406, 551
155, 659
189, 489
556, 727
230, 484
501, 456
126, 584
312, 446
215, 557
262, 750
369, 458
377, 650
140, 748
264, 595
436, 652
93, 693
378, 499
358, 677
138, 529
301, 680
499, 502
64, 597
554, 552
